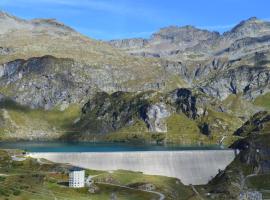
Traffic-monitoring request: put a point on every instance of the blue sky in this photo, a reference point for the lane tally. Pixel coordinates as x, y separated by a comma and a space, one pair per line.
112, 19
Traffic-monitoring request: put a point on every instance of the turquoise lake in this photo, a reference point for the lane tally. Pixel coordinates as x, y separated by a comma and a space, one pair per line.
96, 147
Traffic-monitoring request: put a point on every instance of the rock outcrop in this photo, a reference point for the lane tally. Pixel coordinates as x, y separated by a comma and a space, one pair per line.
156, 118
46, 82
252, 27
80, 63
257, 123
47, 65
105, 113
255, 146
232, 63
251, 81
252, 161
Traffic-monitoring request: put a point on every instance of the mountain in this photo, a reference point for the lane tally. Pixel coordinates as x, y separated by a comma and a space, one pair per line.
249, 172
38, 52
191, 43
232, 63
252, 27
183, 85
167, 42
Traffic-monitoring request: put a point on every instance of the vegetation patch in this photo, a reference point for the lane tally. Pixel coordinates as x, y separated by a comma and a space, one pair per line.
263, 101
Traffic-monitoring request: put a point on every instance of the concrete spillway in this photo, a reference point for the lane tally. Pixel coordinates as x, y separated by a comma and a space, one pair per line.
191, 167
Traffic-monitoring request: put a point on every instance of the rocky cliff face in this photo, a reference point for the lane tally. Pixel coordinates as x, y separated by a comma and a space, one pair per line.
34, 39
257, 123
219, 61
47, 82
105, 113
47, 66
255, 146
247, 80
175, 43
168, 42
129, 43
155, 118
252, 27
251, 166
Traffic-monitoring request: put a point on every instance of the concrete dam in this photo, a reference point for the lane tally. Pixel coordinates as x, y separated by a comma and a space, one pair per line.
194, 167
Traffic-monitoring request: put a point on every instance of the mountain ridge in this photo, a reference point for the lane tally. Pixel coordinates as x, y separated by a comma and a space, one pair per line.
204, 47
183, 86
48, 67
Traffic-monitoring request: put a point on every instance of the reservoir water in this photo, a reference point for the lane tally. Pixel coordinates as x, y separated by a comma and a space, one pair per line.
96, 147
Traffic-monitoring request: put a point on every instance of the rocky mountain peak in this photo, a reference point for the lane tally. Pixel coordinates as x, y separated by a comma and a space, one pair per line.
252, 27
178, 28
4, 14
129, 43
184, 33
248, 23
51, 23
9, 22
171, 38
252, 19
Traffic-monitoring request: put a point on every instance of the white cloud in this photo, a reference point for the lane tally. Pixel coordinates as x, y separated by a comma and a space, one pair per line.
112, 6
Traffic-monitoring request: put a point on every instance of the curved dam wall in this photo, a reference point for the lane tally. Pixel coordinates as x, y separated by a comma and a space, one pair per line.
191, 167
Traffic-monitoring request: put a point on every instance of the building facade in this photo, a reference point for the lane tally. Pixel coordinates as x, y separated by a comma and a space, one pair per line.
251, 195
76, 177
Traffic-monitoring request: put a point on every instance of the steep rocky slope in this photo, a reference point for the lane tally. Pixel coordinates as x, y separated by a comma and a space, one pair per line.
120, 109
179, 116
184, 85
55, 81
168, 42
53, 63
250, 170
189, 43
232, 63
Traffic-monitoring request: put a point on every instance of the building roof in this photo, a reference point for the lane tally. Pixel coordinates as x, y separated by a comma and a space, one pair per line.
73, 169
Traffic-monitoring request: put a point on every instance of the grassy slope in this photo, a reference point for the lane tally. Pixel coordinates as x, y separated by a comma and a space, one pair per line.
73, 45
260, 181
240, 107
17, 121
172, 187
222, 125
96, 54
227, 184
263, 101
30, 180
250, 170
235, 179
56, 123
181, 130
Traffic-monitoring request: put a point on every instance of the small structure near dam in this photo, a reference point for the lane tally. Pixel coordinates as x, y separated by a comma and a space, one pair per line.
76, 177
194, 167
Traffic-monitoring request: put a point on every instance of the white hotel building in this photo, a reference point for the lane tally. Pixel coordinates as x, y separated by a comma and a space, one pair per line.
76, 177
